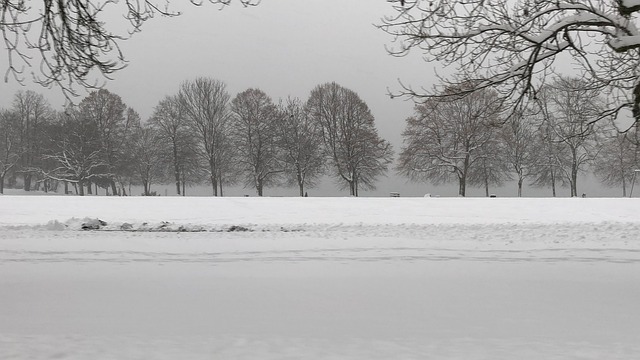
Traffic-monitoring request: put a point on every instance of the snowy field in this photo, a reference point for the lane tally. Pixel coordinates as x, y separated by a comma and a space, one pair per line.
319, 278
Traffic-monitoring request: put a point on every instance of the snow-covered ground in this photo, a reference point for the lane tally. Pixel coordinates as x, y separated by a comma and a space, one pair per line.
319, 278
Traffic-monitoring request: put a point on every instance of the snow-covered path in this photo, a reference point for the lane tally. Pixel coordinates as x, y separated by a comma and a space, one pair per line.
341, 279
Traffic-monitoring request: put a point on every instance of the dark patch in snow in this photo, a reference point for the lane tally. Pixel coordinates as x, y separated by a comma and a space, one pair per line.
93, 224
289, 230
183, 228
238, 228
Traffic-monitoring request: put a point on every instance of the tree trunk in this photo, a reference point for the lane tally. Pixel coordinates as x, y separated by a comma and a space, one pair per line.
114, 189
553, 183
27, 182
300, 184
461, 185
635, 110
214, 184
81, 187
176, 168
89, 192
259, 187
214, 176
520, 187
66, 187
574, 181
183, 181
486, 186
2, 184
624, 186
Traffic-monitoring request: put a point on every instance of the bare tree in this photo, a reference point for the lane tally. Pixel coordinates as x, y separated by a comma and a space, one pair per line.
491, 168
191, 170
69, 42
146, 162
170, 122
113, 121
255, 135
356, 152
373, 155
9, 142
518, 136
301, 141
205, 103
551, 155
77, 156
511, 45
570, 113
445, 138
619, 156
33, 112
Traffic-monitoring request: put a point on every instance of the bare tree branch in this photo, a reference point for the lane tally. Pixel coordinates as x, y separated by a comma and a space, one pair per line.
511, 46
68, 44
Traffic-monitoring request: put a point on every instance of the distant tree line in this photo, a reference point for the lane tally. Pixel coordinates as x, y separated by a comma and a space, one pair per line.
547, 140
201, 135
198, 135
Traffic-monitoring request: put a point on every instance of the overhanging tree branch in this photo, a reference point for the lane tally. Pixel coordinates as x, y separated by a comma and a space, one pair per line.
68, 43
512, 46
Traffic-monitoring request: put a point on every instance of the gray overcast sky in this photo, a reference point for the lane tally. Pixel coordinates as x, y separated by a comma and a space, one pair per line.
284, 47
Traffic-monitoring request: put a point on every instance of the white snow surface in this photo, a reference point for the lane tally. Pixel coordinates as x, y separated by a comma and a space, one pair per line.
319, 278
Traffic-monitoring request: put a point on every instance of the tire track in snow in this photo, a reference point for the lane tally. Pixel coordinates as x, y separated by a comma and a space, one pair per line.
378, 254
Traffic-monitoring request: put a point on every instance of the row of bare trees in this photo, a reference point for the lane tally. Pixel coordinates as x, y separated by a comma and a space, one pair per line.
251, 139
202, 135
198, 135
548, 140
80, 145
513, 49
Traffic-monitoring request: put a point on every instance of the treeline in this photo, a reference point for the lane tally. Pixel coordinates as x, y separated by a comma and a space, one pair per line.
198, 135
547, 140
201, 135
